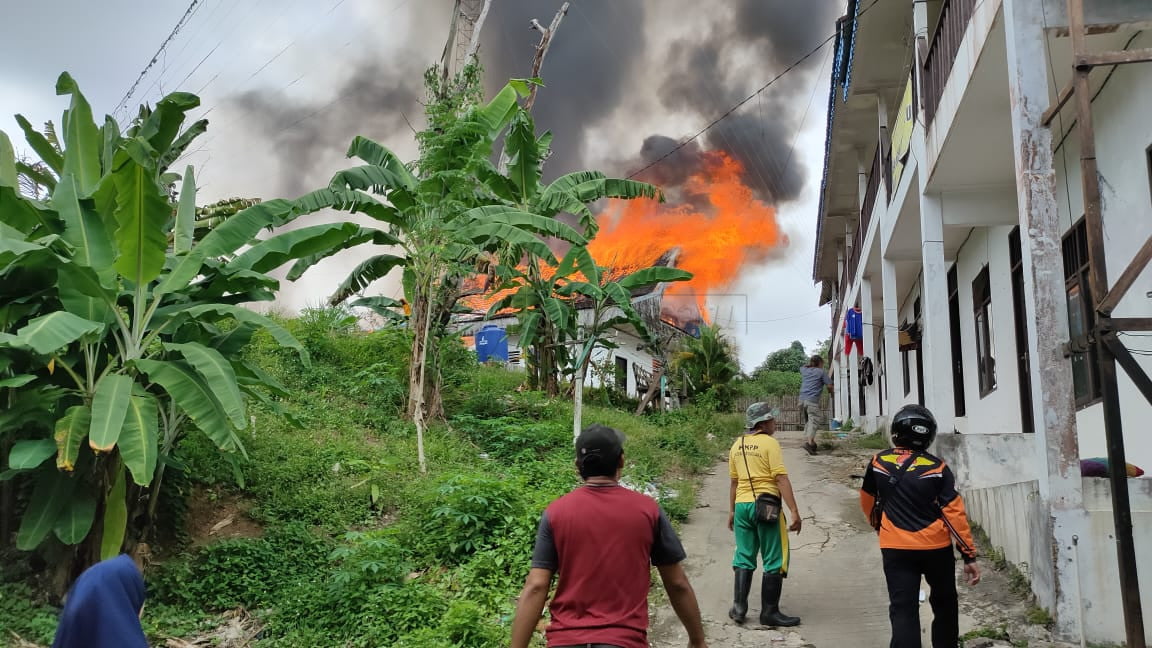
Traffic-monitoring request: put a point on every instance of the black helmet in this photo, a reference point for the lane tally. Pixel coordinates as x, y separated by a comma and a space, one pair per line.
914, 427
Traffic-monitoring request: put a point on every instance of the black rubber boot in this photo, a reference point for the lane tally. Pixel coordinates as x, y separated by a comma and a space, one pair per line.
743, 580
770, 614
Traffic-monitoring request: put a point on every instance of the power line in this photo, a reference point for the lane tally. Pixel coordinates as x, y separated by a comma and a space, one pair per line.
750, 97
155, 57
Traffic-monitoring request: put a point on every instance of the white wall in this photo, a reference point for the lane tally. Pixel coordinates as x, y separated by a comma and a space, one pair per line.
1123, 133
1103, 614
998, 411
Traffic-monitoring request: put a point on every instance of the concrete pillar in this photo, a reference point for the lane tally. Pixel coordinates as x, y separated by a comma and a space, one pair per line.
935, 325
1061, 489
892, 366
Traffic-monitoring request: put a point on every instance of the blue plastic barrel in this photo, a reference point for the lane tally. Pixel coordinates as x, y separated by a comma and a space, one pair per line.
492, 344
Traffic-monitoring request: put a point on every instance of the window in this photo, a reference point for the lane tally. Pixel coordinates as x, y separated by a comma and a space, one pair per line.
622, 374
1081, 315
982, 313
919, 353
957, 347
1020, 314
904, 362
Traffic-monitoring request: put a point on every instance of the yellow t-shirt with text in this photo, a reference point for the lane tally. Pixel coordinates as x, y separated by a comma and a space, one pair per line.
765, 462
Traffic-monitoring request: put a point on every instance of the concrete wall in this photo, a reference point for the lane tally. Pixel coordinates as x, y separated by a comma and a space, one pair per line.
1123, 135
1103, 615
999, 410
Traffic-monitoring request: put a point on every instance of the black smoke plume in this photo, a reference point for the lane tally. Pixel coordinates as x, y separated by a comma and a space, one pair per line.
376, 101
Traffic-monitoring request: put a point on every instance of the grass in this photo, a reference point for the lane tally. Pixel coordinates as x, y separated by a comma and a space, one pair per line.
358, 548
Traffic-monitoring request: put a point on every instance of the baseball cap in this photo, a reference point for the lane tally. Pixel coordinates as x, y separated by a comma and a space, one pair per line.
758, 412
598, 451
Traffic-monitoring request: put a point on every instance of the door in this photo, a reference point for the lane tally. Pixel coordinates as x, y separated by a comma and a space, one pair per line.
1020, 312
622, 374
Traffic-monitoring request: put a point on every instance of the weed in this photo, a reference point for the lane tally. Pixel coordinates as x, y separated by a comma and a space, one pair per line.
22, 614
875, 441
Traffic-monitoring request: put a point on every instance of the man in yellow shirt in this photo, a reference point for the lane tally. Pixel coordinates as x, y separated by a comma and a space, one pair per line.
756, 466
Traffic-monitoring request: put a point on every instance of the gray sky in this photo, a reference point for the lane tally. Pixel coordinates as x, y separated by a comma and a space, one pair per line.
286, 84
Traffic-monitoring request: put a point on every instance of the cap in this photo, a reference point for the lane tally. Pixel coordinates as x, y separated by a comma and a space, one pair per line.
757, 413
598, 450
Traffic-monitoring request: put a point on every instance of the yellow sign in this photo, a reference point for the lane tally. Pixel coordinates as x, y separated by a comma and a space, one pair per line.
902, 134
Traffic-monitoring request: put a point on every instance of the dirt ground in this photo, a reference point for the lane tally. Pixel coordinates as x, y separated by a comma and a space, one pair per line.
835, 583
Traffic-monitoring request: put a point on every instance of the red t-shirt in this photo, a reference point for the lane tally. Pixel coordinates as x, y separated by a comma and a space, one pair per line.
602, 541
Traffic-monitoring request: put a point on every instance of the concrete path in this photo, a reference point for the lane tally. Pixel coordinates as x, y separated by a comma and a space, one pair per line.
835, 583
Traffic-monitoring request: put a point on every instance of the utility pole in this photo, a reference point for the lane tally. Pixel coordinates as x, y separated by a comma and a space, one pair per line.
463, 42
1103, 337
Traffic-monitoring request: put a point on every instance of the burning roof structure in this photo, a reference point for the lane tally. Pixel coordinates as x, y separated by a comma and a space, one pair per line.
713, 227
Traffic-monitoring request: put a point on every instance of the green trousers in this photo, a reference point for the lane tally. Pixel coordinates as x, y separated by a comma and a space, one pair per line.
753, 537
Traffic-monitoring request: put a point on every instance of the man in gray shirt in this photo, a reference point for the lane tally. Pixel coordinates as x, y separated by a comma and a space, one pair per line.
813, 380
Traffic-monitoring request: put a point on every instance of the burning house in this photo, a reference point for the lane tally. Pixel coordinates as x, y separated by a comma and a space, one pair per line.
631, 365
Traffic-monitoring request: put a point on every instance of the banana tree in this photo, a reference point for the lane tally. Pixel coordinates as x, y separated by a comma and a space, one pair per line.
122, 325
572, 193
439, 221
585, 304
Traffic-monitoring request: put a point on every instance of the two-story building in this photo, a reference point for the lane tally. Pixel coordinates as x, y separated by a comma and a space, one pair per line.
951, 216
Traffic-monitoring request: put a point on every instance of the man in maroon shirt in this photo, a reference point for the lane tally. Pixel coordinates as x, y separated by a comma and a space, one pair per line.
602, 539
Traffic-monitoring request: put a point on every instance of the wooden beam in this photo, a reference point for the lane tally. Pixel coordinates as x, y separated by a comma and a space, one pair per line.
1061, 99
1130, 324
1131, 366
1122, 57
1127, 278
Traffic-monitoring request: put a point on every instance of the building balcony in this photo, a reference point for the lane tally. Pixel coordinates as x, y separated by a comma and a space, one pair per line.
941, 52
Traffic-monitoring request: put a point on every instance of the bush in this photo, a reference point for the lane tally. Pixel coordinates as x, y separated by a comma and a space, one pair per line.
513, 439
243, 572
22, 614
462, 515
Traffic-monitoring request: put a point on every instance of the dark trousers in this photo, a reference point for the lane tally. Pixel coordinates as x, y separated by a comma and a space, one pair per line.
903, 569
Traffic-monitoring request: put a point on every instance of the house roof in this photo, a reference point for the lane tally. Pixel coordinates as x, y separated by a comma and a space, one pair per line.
478, 303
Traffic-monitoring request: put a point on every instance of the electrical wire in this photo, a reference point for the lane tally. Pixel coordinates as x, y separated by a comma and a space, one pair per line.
175, 30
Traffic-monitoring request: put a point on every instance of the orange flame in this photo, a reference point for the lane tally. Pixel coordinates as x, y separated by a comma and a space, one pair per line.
726, 229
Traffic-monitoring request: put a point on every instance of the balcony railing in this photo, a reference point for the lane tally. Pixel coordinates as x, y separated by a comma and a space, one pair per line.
870, 194
941, 54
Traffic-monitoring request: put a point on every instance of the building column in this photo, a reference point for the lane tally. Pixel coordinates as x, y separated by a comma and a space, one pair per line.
1058, 453
935, 325
893, 378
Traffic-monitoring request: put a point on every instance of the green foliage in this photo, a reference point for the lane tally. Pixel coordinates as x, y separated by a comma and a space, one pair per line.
770, 383
708, 366
22, 615
456, 519
248, 572
115, 316
785, 360
876, 441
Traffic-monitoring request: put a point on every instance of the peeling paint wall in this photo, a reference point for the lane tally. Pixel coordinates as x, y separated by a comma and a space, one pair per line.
1103, 616
1123, 138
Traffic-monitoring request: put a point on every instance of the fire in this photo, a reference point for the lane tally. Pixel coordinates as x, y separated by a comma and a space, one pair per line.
718, 230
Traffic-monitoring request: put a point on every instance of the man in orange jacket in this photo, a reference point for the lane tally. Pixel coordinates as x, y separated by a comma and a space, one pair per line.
910, 497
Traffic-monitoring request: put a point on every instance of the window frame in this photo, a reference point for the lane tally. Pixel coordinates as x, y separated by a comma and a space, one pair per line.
982, 321
1076, 279
959, 402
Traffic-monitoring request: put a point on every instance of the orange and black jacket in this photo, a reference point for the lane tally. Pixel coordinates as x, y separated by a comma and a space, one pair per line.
923, 510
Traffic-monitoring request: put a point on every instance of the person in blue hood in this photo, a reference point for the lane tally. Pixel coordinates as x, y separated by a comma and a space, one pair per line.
103, 608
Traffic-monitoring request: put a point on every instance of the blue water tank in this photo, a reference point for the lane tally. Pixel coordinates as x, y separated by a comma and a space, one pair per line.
492, 344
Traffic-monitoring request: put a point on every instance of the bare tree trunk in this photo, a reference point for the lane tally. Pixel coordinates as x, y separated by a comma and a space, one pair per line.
542, 50
417, 374
578, 410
